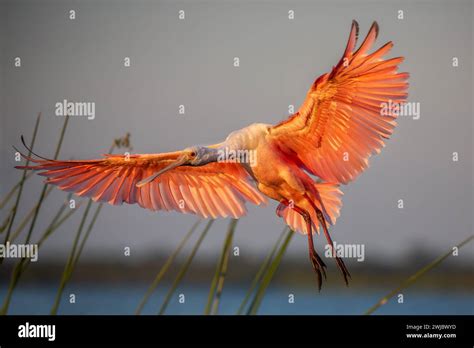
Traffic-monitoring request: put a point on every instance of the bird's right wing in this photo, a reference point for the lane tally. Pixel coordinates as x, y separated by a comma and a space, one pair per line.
342, 122
212, 190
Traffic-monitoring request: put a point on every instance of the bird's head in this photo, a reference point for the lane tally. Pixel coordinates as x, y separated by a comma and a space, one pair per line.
196, 155
191, 156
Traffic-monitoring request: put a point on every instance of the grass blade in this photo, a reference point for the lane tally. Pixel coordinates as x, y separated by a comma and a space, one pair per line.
75, 255
20, 189
56, 223
10, 194
22, 265
6, 222
269, 275
67, 269
415, 277
165, 268
184, 268
220, 284
7, 199
27, 218
261, 271
43, 192
221, 269
18, 266
86, 235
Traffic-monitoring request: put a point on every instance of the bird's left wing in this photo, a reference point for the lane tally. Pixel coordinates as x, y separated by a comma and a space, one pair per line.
212, 190
342, 122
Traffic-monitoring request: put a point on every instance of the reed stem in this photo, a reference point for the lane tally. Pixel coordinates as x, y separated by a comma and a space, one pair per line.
260, 272
12, 191
22, 265
165, 268
20, 189
221, 269
43, 191
410, 280
26, 219
184, 268
67, 269
257, 300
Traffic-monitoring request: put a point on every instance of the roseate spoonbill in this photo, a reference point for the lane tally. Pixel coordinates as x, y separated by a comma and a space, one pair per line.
299, 162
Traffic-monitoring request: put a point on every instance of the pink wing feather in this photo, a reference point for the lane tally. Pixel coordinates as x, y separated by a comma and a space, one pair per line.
341, 124
213, 190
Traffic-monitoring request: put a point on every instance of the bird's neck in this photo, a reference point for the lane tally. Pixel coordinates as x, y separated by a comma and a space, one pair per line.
211, 154
229, 152
214, 154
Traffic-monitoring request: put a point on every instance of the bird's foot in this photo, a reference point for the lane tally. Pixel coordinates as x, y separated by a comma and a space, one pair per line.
345, 272
318, 266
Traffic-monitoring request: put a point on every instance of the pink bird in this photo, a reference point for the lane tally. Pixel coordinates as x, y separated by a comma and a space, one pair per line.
300, 162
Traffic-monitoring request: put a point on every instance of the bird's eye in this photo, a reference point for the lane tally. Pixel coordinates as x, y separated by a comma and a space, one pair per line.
193, 154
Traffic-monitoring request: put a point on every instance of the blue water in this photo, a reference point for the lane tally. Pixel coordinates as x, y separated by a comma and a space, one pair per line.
119, 299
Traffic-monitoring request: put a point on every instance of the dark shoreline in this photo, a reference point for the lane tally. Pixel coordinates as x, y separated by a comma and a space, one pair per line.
447, 276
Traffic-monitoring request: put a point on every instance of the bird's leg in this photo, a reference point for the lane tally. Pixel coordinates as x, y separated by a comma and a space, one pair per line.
339, 261
316, 261
283, 204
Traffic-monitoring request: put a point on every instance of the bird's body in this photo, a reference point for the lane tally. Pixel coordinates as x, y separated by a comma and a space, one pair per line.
299, 162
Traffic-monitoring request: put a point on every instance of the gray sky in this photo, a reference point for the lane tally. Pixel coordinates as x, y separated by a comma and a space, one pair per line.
190, 62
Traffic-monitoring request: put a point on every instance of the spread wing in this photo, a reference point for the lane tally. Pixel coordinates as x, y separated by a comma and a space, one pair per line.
216, 189
347, 113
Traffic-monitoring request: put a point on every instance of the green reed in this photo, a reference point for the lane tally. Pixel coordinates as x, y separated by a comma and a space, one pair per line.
217, 283
182, 271
165, 268
412, 279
